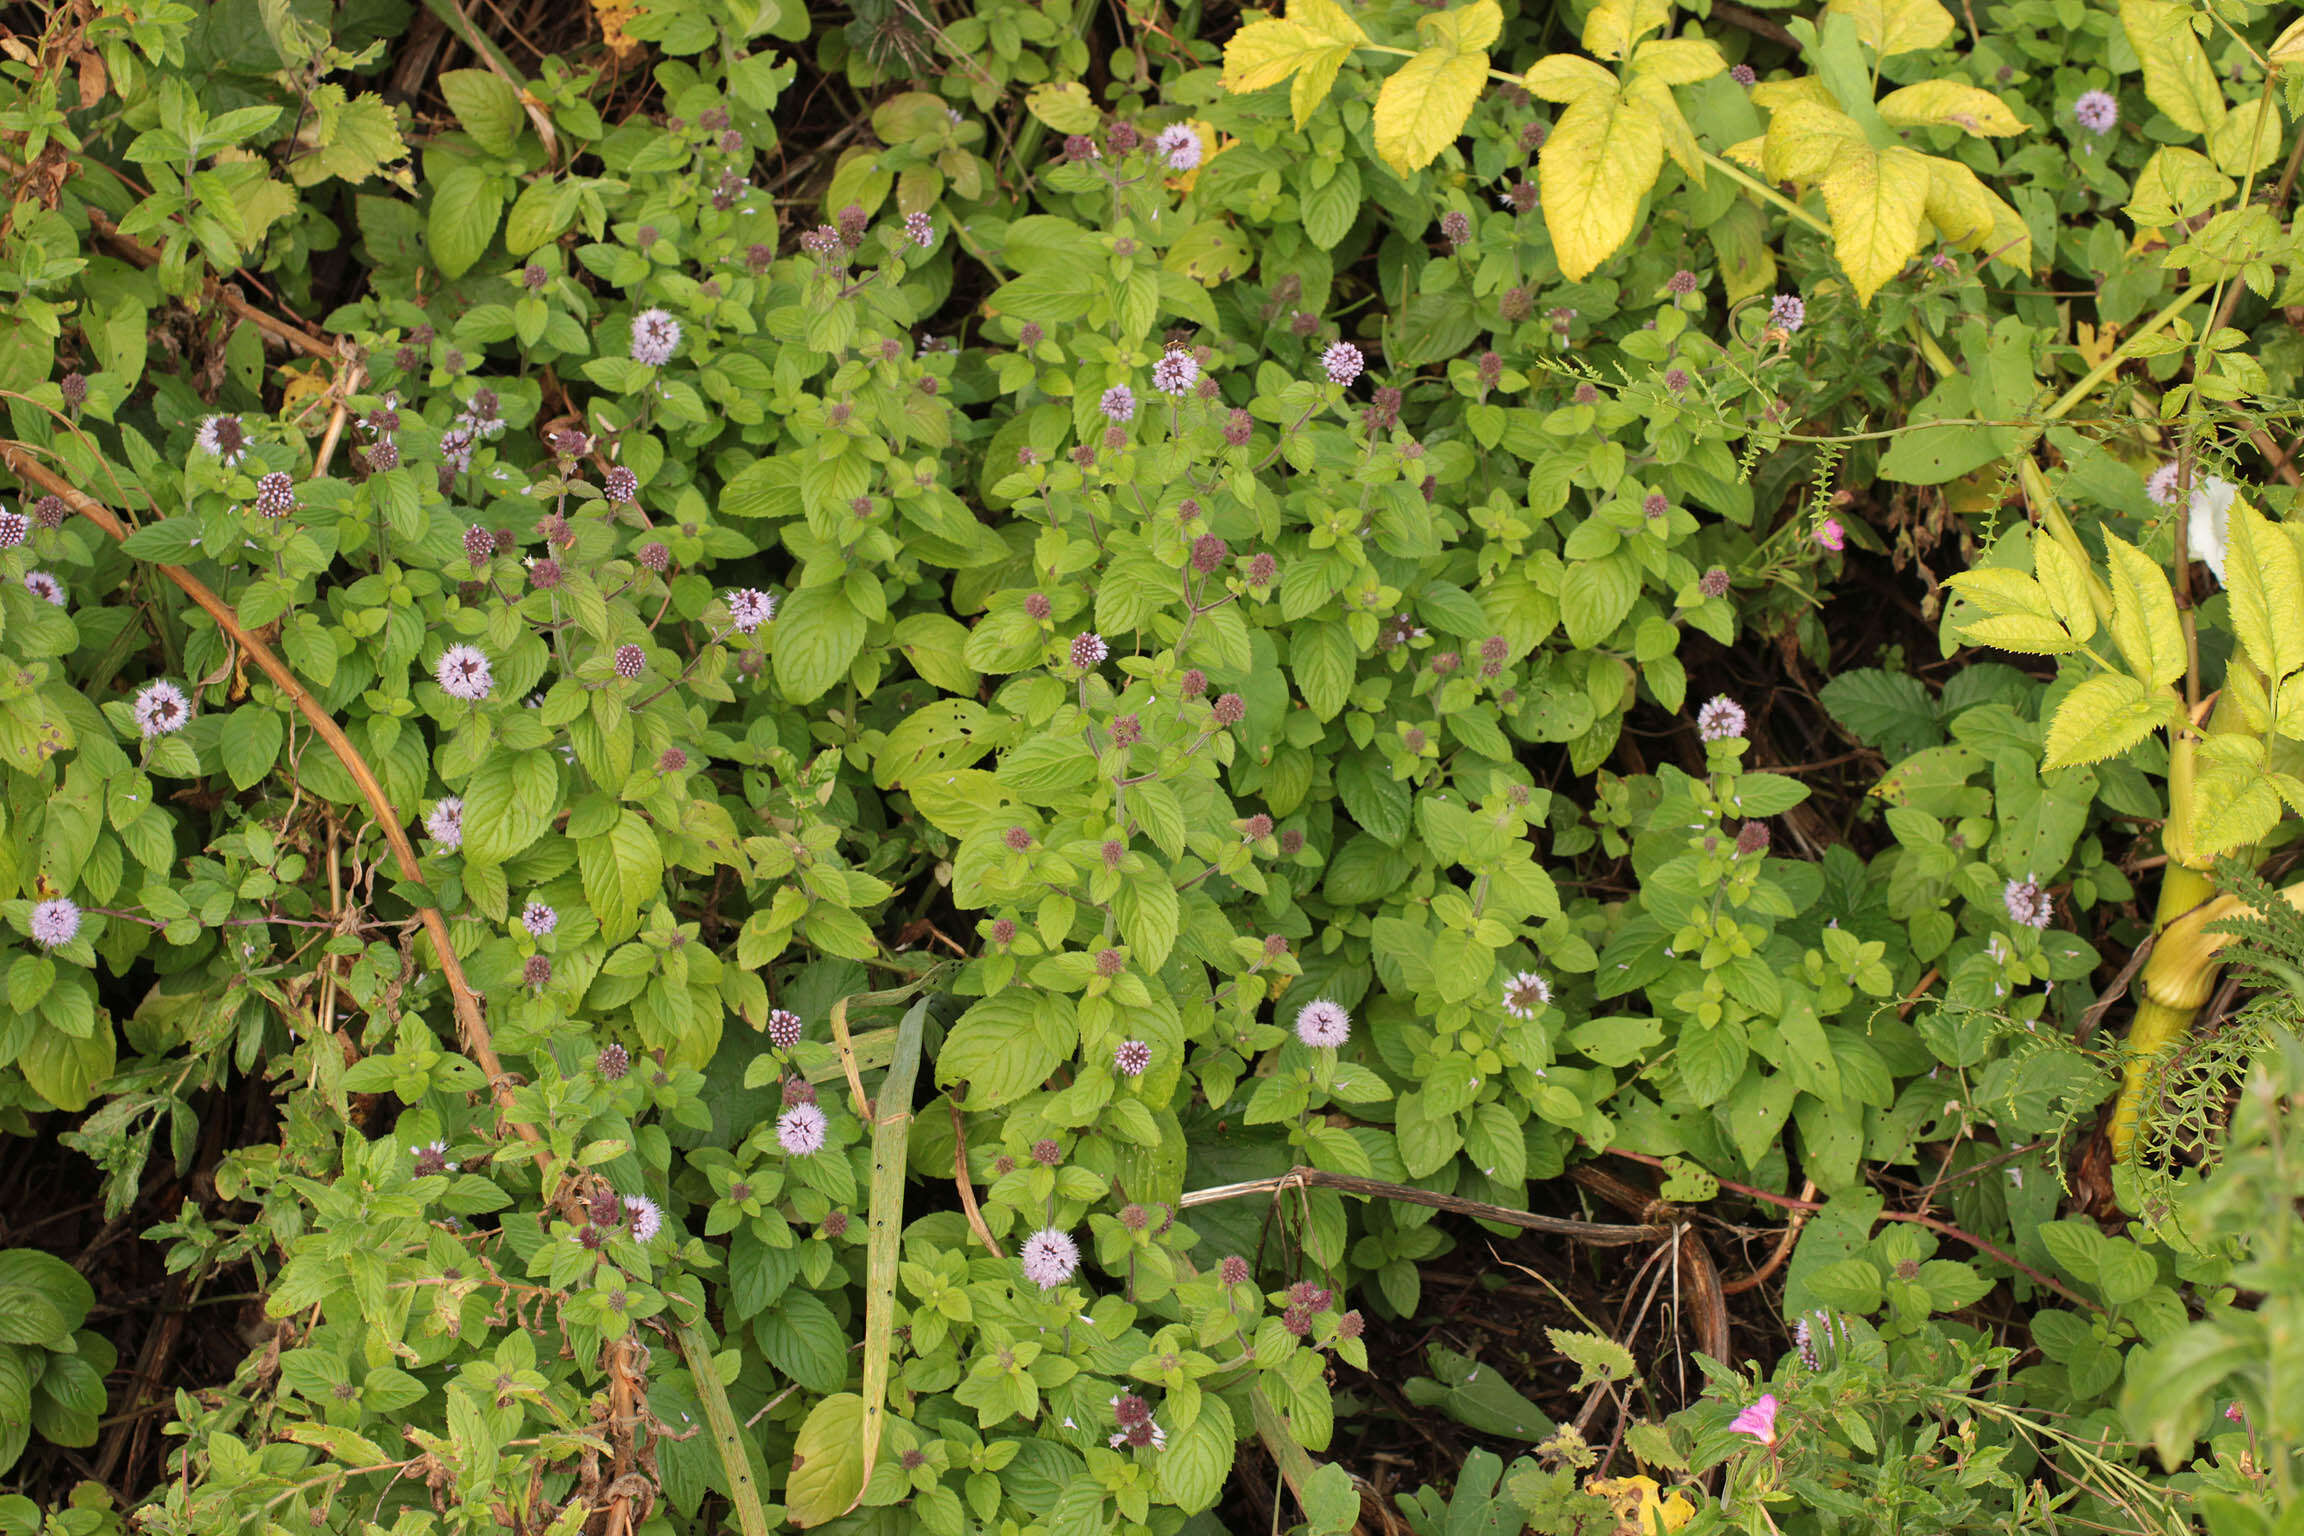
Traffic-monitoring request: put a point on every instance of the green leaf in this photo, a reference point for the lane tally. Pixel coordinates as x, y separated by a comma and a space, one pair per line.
1003, 1048
818, 633
27, 1317
2144, 623
2267, 586
1324, 659
509, 801
1892, 711
1598, 1358
249, 743
802, 1338
2104, 717
1373, 797
487, 106
466, 203
1193, 1467
827, 1462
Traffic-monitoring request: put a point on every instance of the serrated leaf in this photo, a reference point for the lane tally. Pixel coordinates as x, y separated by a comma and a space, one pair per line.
2103, 717
1615, 25
2266, 582
1598, 1358
1948, 104
1877, 200
1567, 78
2144, 622
1890, 27
827, 1462
2064, 580
2177, 75
1423, 105
1677, 61
1593, 171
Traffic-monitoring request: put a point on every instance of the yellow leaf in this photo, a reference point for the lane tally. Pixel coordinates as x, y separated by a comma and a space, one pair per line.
1066, 108
1313, 81
2175, 184
1677, 60
1638, 1507
1877, 200
2103, 717
2144, 621
1776, 95
1615, 25
1466, 28
1327, 20
1958, 205
1265, 53
1422, 107
2249, 137
2065, 580
2020, 632
1890, 27
1806, 140
1748, 152
1945, 104
1655, 97
2177, 75
2267, 586
1567, 77
2288, 48
1599, 162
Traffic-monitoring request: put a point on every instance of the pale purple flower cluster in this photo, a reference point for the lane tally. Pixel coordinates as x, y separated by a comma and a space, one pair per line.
2027, 903
463, 673
1343, 362
223, 438
1787, 312
44, 587
161, 708
643, 1218
921, 230
445, 822
1526, 993
2160, 485
1049, 1258
800, 1130
275, 495
749, 608
2096, 111
1323, 1025
55, 921
1721, 719
1176, 372
1088, 650
784, 1028
1179, 146
1118, 403
1131, 1057
539, 919
655, 336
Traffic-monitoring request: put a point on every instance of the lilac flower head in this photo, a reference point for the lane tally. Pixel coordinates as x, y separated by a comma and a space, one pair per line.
784, 1027
1323, 1025
1078, 146
1681, 283
445, 822
1179, 146
1229, 709
1343, 362
1787, 312
1804, 1340
1118, 403
223, 438
1175, 373
539, 919
613, 1061
1526, 993
161, 708
2027, 903
1049, 1258
275, 495
629, 660
1131, 1057
920, 229
536, 973
654, 556
800, 1130
55, 921
1744, 75
1714, 582
1758, 1421
44, 587
1455, 228
74, 388
620, 486
1088, 650
2096, 111
643, 1218
749, 608
1720, 719
13, 528
2160, 485
463, 672
655, 336
456, 446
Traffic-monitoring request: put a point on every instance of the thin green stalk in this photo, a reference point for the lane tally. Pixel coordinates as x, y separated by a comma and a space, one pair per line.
2121, 354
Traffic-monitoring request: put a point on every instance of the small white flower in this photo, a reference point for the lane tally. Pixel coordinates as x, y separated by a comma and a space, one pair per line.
2210, 522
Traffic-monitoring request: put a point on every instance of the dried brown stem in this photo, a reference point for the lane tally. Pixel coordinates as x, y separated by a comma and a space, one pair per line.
1599, 1233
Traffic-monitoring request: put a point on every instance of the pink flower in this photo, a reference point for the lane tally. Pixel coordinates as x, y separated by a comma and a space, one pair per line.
1830, 535
1323, 1025
800, 1130
1759, 1420
1049, 1258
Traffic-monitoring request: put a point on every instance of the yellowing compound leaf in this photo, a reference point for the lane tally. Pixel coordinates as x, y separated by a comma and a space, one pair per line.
1958, 205
1330, 22
1654, 97
1466, 28
1677, 60
2065, 581
1567, 77
2177, 76
1615, 25
1599, 162
2234, 802
2175, 184
2144, 623
1776, 95
1890, 27
2266, 582
1806, 140
2104, 717
1265, 53
1310, 87
2249, 138
1877, 200
2288, 48
1422, 107
1748, 152
1945, 104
